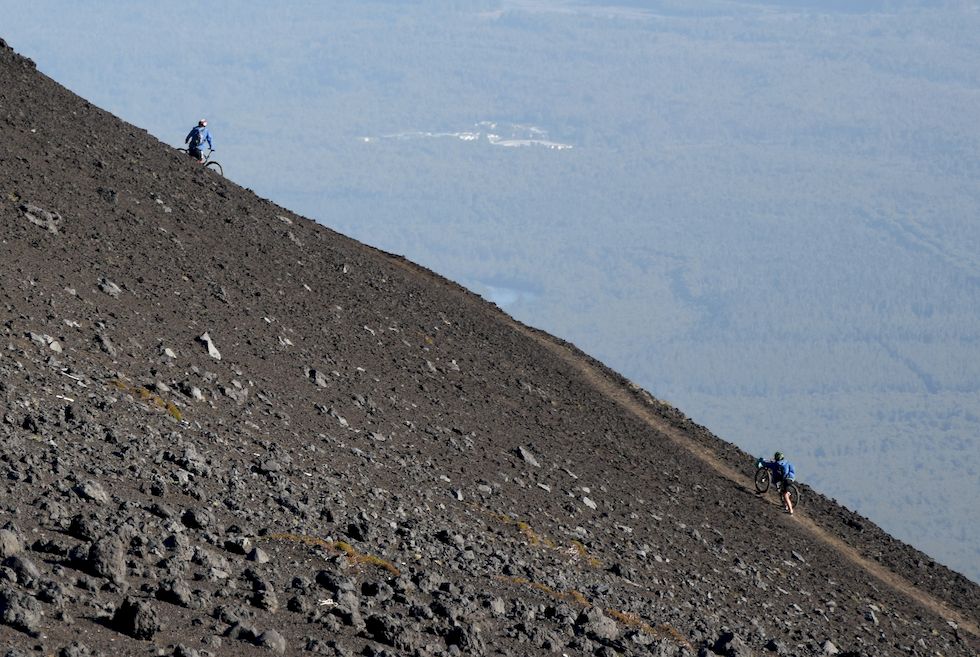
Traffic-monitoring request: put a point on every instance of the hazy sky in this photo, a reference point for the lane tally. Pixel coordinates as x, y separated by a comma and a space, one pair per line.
766, 213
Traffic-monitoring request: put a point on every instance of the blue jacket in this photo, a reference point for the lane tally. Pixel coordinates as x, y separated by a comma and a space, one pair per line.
782, 469
198, 136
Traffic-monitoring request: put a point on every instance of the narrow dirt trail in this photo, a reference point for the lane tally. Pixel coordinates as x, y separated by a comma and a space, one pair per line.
613, 390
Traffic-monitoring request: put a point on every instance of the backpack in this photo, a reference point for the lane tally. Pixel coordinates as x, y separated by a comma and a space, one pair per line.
198, 137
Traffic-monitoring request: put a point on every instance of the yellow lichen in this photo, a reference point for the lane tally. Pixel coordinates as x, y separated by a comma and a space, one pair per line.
354, 557
146, 395
174, 411
573, 596
662, 631
578, 549
627, 619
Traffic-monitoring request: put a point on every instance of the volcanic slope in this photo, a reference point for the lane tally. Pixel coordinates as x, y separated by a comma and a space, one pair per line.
228, 430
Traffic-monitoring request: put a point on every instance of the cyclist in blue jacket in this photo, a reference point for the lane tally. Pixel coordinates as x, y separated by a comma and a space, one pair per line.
782, 473
196, 138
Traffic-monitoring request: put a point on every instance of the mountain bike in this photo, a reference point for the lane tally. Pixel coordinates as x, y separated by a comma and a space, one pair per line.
763, 479
208, 162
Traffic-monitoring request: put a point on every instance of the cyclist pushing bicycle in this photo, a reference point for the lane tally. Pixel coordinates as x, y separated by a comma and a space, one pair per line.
783, 474
196, 138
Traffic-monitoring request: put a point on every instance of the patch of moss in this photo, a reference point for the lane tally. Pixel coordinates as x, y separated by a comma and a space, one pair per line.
537, 540
311, 541
579, 550
573, 596
533, 537
144, 394
627, 619
662, 631
174, 411
354, 557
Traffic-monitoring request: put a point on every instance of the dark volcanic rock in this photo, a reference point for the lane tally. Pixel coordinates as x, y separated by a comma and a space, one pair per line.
596, 625
92, 491
24, 569
20, 611
175, 592
730, 645
272, 640
376, 461
107, 558
198, 518
10, 544
76, 649
136, 618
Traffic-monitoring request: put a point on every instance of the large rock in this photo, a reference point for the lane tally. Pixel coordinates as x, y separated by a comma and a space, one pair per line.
731, 645
92, 491
107, 558
596, 625
26, 571
46, 219
272, 640
136, 618
175, 591
20, 611
210, 346
9, 544
76, 649
528, 456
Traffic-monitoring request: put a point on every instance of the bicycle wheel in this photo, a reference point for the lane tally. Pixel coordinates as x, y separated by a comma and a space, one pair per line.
214, 166
794, 494
762, 480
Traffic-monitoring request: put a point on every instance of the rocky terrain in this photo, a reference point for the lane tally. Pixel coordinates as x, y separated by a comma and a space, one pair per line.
228, 430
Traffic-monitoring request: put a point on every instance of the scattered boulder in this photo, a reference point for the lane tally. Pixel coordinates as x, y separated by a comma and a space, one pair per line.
110, 288
318, 377
272, 640
210, 346
136, 618
20, 611
731, 645
528, 456
107, 558
49, 221
10, 544
175, 591
92, 491
596, 625
198, 518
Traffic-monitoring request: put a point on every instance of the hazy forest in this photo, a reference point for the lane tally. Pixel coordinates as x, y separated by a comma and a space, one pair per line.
765, 213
